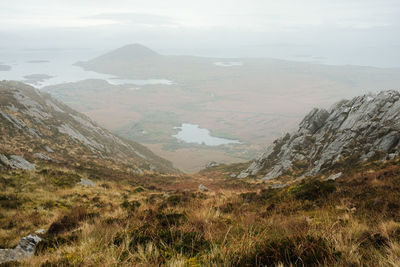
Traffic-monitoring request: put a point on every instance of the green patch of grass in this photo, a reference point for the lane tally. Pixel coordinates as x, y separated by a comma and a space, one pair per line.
60, 178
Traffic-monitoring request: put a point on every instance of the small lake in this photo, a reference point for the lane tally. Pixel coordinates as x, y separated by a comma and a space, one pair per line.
192, 133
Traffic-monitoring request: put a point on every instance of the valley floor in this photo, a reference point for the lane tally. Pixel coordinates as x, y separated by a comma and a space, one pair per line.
153, 220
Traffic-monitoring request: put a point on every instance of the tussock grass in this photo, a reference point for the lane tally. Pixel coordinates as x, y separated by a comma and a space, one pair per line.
353, 221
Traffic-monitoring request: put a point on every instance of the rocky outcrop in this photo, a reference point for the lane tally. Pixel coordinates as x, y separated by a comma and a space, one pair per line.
25, 249
366, 127
212, 164
42, 156
16, 162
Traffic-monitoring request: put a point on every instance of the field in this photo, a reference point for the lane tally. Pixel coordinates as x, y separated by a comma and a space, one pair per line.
152, 220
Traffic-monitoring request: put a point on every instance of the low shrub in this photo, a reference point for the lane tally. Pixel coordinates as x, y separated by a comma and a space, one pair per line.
171, 219
312, 190
10, 201
175, 200
130, 205
69, 221
377, 241
227, 207
138, 190
53, 242
290, 251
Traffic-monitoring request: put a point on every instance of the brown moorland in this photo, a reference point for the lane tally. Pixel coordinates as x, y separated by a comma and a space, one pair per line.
154, 219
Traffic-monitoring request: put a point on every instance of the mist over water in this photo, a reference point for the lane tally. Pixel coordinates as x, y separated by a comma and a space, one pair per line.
58, 66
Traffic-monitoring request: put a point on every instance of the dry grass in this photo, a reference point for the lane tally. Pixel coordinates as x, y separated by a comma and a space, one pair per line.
350, 222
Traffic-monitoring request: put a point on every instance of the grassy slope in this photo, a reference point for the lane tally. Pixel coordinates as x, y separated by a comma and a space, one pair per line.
164, 220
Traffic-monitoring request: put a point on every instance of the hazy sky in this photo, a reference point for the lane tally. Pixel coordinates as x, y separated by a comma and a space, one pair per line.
291, 28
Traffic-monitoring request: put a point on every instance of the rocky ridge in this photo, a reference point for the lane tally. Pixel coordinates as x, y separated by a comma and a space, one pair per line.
351, 131
34, 124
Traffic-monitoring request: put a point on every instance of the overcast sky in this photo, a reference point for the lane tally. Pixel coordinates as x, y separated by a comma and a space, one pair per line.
284, 28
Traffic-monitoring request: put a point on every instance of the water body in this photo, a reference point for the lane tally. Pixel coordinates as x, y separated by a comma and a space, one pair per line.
192, 133
228, 64
58, 67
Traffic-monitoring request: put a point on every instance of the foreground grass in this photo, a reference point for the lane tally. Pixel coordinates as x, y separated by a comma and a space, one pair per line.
152, 220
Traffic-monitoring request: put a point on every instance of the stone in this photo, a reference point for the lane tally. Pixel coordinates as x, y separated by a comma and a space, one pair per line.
24, 249
333, 177
40, 231
242, 175
48, 149
87, 183
42, 156
137, 171
16, 162
278, 186
203, 188
212, 164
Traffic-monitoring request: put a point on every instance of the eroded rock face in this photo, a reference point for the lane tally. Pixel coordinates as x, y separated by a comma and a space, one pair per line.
365, 127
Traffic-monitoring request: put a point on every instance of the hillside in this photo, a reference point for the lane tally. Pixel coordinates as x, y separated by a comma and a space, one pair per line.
365, 128
36, 127
255, 100
129, 52
139, 62
118, 58
71, 196
168, 221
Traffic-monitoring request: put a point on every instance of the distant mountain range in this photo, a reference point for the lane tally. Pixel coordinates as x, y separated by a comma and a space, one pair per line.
36, 127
